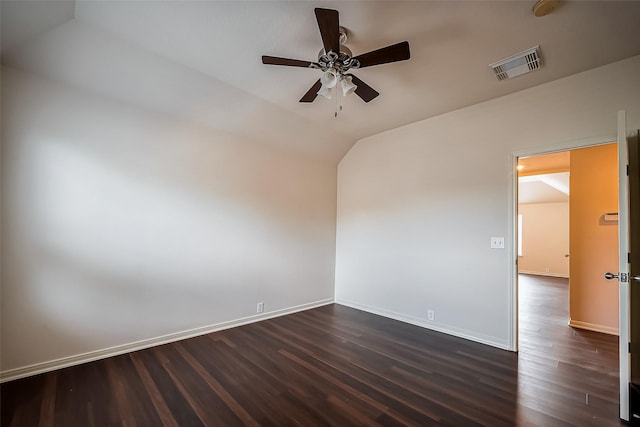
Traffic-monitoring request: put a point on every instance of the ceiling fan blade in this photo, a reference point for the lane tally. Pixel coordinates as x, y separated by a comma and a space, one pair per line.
274, 60
364, 91
312, 93
329, 24
393, 53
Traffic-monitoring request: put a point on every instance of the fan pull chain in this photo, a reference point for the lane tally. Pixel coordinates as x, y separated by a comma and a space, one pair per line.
338, 102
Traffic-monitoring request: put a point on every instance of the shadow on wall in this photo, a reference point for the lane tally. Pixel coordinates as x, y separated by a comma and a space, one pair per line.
120, 224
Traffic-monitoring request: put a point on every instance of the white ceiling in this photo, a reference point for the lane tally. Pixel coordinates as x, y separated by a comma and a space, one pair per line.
200, 60
544, 188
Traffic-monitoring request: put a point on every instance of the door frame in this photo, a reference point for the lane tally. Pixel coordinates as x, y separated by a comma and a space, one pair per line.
623, 267
513, 255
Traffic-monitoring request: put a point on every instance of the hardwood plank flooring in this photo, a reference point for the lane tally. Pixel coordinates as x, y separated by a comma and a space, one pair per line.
336, 366
560, 366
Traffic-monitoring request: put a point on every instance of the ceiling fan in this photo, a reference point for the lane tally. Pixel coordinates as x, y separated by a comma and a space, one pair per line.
336, 60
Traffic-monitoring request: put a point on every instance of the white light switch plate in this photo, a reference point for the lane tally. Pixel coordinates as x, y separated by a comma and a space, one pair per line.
497, 243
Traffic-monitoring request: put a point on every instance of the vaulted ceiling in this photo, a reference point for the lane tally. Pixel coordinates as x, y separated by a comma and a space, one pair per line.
200, 60
544, 178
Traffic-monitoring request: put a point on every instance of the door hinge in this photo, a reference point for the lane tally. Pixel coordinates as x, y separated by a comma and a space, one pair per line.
627, 170
624, 277
629, 347
628, 257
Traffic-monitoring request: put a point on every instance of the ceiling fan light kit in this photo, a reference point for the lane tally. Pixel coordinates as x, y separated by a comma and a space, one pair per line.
324, 91
329, 78
347, 85
336, 61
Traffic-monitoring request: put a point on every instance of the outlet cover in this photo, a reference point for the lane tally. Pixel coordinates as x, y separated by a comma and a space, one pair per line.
431, 315
260, 308
497, 243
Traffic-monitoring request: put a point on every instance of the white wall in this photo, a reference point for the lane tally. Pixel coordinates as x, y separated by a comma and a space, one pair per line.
417, 205
122, 225
545, 239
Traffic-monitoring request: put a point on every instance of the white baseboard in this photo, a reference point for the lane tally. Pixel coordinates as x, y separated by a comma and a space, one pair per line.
538, 273
593, 327
91, 356
457, 332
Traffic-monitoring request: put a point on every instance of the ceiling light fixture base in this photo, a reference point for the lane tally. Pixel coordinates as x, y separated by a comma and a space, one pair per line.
544, 7
341, 62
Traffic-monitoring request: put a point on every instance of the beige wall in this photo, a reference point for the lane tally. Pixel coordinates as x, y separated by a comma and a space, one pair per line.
418, 205
545, 239
593, 242
124, 227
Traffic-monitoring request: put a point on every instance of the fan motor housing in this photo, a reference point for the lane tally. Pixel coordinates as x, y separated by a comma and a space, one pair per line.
343, 49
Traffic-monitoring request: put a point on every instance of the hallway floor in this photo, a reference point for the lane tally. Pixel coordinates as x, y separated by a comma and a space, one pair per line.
559, 365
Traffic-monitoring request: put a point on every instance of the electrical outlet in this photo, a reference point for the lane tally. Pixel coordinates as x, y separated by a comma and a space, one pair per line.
497, 243
431, 315
260, 308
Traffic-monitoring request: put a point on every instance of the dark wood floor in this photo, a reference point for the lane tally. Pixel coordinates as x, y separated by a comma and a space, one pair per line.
335, 366
560, 367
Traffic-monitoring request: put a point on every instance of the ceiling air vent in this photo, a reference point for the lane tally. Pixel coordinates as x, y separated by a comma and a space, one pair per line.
515, 65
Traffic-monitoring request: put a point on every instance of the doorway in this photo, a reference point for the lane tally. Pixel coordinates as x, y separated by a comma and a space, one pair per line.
567, 238
543, 214
567, 227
